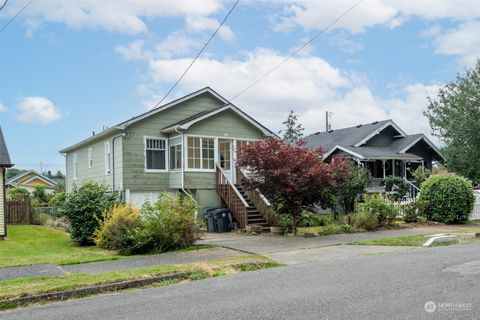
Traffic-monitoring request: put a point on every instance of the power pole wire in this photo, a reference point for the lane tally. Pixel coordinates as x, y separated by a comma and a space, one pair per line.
3, 5
18, 13
294, 53
198, 55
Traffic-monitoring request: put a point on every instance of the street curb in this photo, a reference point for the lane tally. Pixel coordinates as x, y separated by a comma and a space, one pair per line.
79, 292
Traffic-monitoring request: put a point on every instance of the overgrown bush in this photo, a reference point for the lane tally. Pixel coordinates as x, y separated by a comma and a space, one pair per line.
414, 211
40, 197
421, 174
354, 185
57, 203
309, 219
450, 198
84, 207
39, 218
117, 232
395, 187
170, 223
18, 194
375, 212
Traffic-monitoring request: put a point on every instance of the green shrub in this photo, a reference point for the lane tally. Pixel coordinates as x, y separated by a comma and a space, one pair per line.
375, 212
346, 228
39, 218
117, 232
450, 198
414, 211
18, 194
57, 202
421, 174
170, 223
396, 187
40, 196
309, 219
84, 207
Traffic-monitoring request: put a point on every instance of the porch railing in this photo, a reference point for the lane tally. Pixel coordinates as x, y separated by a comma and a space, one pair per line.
232, 197
413, 189
261, 203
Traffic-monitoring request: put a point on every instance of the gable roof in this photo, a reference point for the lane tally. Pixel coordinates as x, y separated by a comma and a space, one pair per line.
14, 180
123, 125
4, 156
351, 140
187, 122
346, 136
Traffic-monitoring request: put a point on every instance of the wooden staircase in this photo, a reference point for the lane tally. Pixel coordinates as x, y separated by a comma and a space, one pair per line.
248, 208
254, 217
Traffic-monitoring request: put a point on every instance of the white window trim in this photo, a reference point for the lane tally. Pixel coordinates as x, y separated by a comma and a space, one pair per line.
167, 159
107, 150
185, 150
75, 166
90, 158
181, 152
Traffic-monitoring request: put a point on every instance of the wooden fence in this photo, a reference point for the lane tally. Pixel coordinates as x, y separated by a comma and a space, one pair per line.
18, 212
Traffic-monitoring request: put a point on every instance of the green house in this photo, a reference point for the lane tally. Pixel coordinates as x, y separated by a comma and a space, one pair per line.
181, 146
4, 163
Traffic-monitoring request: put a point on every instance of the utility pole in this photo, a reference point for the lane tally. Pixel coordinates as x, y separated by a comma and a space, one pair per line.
328, 126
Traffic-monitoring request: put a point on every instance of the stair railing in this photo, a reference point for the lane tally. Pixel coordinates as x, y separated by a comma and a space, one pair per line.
413, 190
232, 197
259, 200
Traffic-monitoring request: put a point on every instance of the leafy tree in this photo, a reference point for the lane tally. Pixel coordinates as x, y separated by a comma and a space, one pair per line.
59, 175
356, 181
40, 195
454, 115
293, 177
84, 207
421, 174
18, 194
12, 172
294, 130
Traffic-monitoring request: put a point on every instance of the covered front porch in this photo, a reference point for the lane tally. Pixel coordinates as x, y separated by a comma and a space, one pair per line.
381, 168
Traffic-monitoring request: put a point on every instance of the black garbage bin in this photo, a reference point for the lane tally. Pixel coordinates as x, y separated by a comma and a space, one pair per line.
221, 220
210, 221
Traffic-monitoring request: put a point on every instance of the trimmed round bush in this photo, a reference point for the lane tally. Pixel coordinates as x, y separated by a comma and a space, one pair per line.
450, 198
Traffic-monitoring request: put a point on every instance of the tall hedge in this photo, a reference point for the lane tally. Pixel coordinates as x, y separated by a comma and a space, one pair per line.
84, 207
450, 198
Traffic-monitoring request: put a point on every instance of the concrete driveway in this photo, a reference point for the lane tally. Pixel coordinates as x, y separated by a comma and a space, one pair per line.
294, 250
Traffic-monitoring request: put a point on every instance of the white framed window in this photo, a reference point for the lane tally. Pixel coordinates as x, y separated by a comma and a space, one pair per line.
155, 154
90, 158
201, 153
75, 166
108, 156
175, 157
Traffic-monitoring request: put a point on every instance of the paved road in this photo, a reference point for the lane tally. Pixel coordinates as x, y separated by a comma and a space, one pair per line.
378, 286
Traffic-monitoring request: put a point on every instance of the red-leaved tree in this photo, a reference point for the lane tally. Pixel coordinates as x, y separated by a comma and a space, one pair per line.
293, 177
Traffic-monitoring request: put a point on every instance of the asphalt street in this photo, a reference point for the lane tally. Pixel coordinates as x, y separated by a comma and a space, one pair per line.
426, 283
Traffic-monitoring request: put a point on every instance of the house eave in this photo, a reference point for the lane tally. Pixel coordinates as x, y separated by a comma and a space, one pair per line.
378, 130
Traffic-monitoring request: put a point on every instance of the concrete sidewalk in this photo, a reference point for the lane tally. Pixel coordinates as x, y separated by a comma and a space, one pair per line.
294, 250
120, 264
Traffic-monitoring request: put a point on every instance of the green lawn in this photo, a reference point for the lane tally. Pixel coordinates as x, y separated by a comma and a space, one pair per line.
416, 240
27, 245
35, 285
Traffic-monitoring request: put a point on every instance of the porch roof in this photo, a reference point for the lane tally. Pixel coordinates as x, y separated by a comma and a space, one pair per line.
374, 153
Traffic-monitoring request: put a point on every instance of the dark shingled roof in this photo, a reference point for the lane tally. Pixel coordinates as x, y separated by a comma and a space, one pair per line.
4, 157
343, 137
348, 137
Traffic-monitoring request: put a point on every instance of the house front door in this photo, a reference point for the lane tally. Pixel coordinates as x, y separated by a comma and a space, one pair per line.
225, 158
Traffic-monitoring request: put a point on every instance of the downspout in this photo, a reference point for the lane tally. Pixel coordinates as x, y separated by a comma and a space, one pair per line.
113, 159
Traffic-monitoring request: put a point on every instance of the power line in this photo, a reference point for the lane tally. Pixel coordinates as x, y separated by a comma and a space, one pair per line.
196, 57
13, 18
3, 5
296, 51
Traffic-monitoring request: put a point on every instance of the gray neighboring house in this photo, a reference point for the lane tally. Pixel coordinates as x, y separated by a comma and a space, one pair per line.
382, 147
4, 163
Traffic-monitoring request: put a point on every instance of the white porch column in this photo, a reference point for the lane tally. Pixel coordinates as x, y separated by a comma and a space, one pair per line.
393, 167
383, 163
404, 169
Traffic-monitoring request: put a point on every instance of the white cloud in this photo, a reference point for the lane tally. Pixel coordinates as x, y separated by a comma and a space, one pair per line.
120, 16
133, 51
37, 110
200, 24
176, 44
2, 108
463, 42
308, 85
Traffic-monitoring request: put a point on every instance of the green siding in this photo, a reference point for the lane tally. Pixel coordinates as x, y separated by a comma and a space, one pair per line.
97, 172
135, 177
175, 179
207, 198
227, 124
200, 180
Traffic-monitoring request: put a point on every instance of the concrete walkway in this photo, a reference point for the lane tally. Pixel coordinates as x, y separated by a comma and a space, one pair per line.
120, 264
294, 250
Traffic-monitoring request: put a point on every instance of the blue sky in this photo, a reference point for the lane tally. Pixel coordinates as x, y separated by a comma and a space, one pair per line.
69, 68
